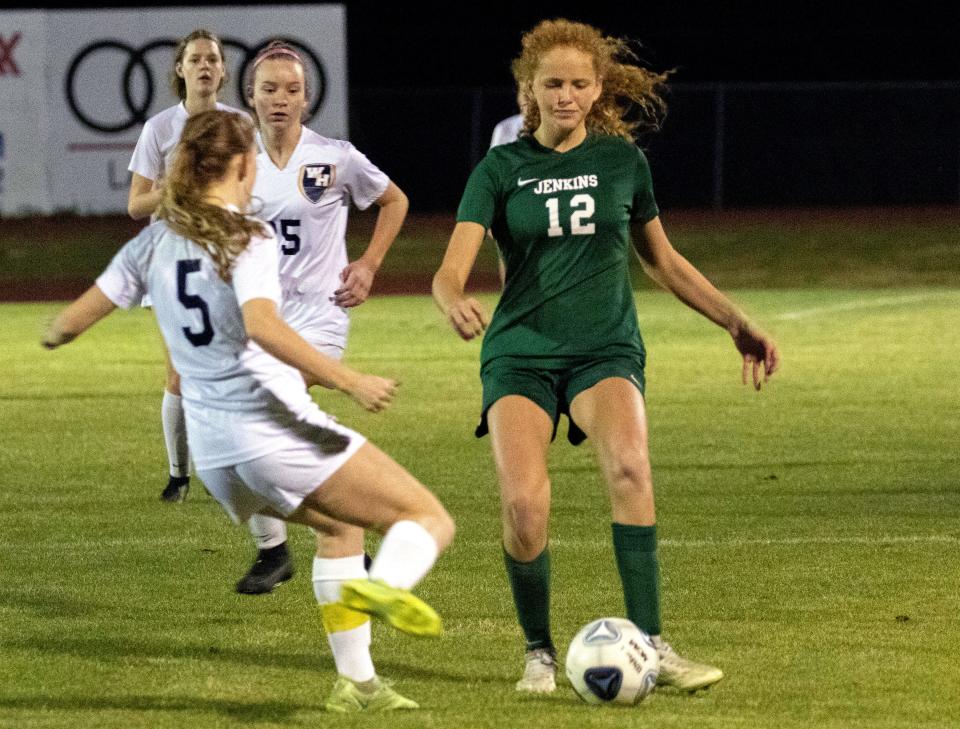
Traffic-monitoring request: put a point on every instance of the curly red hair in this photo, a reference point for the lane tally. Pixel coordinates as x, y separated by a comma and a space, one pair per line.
629, 90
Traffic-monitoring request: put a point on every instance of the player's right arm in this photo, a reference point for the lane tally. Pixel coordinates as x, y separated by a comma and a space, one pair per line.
474, 216
121, 284
265, 327
143, 198
73, 321
465, 314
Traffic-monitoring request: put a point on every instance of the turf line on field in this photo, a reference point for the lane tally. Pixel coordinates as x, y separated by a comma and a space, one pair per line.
855, 305
761, 542
554, 541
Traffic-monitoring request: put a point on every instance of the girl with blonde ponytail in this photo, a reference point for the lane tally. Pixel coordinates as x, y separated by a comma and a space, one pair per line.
203, 156
198, 74
260, 443
565, 202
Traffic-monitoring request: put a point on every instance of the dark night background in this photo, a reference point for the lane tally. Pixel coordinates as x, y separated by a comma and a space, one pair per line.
826, 104
472, 43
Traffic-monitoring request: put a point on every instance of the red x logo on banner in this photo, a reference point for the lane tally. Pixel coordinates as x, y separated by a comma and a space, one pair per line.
7, 64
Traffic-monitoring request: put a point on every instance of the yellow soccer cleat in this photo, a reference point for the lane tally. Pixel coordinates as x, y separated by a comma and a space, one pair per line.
348, 697
401, 608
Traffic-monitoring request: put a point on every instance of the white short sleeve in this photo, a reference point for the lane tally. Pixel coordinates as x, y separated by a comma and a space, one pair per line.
255, 272
124, 281
507, 131
365, 181
147, 160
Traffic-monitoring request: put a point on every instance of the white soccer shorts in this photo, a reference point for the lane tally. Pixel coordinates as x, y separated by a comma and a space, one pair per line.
284, 478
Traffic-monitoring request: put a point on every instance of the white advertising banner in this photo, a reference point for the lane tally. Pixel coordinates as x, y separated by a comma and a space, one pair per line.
23, 123
109, 71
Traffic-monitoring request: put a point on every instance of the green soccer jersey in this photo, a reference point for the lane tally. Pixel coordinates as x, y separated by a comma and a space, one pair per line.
562, 222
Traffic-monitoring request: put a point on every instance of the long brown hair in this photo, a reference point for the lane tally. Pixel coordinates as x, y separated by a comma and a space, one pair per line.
210, 141
179, 85
630, 102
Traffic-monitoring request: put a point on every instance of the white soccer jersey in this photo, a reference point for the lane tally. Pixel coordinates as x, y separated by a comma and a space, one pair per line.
240, 402
507, 131
158, 139
307, 203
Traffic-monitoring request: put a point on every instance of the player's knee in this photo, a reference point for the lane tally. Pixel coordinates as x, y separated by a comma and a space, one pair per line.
433, 517
444, 529
630, 477
632, 469
527, 517
436, 519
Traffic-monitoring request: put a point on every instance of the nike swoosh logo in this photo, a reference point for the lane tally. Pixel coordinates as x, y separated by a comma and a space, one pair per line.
521, 182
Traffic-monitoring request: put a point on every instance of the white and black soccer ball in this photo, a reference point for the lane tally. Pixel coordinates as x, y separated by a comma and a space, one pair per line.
612, 661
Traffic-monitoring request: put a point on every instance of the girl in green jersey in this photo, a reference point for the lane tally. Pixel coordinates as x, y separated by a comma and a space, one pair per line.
565, 202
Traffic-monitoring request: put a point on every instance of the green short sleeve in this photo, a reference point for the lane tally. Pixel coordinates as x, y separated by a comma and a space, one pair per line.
479, 201
644, 207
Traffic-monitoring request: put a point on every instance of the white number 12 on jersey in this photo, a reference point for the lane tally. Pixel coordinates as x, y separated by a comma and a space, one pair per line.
583, 207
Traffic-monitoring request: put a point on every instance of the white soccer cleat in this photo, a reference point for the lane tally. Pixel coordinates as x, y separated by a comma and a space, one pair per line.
682, 673
539, 671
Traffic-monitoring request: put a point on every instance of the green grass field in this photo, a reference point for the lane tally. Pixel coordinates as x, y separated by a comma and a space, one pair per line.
810, 541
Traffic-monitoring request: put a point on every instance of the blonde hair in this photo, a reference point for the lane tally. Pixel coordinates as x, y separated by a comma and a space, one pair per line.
179, 85
630, 101
210, 141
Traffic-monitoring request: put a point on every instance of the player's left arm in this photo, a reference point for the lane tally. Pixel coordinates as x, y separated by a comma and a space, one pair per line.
675, 273
73, 321
358, 276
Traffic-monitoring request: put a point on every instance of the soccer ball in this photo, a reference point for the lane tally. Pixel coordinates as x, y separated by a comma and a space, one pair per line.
612, 661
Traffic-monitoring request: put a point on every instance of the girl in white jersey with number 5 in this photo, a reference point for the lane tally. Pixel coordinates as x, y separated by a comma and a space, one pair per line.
198, 74
305, 184
259, 441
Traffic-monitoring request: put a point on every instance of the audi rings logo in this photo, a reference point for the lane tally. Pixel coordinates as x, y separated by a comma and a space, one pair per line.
139, 77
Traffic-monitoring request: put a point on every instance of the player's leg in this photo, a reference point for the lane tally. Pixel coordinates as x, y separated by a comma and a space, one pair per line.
613, 416
273, 563
520, 432
340, 558
174, 436
361, 485
370, 490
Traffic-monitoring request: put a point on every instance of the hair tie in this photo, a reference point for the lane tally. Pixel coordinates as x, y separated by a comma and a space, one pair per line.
277, 51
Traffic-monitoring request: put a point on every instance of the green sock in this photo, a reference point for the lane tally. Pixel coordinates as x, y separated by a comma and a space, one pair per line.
636, 550
530, 584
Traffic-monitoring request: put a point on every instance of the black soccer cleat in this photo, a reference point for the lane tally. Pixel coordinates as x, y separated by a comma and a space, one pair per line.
176, 490
271, 567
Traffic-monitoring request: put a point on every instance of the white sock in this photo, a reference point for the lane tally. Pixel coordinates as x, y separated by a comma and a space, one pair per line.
406, 554
267, 531
350, 648
175, 434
